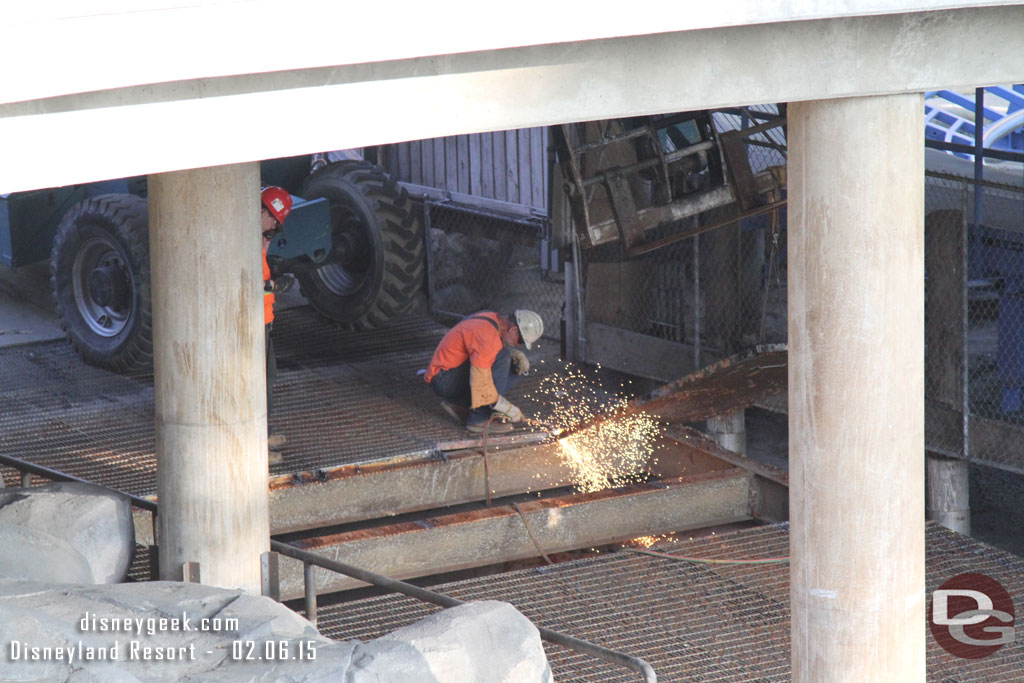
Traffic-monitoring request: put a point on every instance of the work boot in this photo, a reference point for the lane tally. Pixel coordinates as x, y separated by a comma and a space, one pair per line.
275, 441
497, 427
274, 457
458, 413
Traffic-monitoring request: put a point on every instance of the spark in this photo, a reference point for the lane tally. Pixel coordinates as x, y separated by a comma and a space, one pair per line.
645, 541
648, 541
614, 452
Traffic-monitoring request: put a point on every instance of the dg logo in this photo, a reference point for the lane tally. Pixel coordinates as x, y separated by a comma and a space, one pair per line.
971, 616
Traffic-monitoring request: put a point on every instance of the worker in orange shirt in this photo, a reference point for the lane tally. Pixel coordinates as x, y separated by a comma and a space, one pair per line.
276, 204
477, 362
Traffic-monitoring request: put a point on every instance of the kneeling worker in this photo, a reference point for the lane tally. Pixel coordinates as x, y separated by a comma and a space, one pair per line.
476, 363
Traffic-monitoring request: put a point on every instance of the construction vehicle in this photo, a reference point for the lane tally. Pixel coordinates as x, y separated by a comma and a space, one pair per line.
352, 240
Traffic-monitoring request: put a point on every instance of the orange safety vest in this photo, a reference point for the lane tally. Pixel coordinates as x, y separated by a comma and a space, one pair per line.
268, 297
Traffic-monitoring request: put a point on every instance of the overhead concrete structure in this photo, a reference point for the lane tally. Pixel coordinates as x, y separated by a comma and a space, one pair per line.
208, 374
253, 85
856, 389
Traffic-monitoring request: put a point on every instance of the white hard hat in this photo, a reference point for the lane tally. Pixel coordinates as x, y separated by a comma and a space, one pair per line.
531, 326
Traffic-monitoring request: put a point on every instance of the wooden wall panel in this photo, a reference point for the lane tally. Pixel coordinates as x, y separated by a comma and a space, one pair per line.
504, 165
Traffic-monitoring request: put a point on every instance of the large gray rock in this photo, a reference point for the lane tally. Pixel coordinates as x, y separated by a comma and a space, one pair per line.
91, 519
34, 555
49, 632
479, 642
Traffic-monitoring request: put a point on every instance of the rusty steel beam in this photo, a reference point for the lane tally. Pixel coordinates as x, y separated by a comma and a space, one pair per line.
350, 493
721, 388
379, 489
353, 493
730, 384
488, 536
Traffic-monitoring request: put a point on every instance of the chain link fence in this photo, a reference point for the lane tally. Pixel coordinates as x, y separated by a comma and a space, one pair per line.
479, 260
718, 292
974, 320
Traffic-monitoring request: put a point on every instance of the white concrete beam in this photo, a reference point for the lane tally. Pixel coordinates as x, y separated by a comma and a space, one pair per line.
211, 121
76, 46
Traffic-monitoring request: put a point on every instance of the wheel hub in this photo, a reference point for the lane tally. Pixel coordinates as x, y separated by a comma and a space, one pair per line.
352, 249
102, 286
108, 286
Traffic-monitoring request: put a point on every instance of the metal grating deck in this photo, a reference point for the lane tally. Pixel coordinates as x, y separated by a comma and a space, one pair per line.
340, 397
692, 622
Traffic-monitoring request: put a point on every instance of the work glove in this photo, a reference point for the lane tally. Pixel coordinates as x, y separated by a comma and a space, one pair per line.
283, 283
520, 363
504, 407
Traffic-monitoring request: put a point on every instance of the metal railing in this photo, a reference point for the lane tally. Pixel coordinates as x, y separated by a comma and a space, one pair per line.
27, 469
586, 647
309, 560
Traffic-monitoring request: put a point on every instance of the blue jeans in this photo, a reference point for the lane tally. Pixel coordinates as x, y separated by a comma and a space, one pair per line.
453, 385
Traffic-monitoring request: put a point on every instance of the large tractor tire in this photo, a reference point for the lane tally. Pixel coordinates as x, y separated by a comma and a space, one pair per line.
377, 263
99, 270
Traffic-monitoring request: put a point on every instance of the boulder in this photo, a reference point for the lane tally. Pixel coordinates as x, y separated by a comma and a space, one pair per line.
34, 555
478, 642
92, 520
168, 631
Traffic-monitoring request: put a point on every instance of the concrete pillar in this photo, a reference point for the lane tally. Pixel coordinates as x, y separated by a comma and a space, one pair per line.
856, 389
209, 374
948, 494
729, 431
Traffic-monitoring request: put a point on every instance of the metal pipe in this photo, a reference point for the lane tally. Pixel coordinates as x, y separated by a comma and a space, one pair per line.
487, 469
696, 297
647, 247
979, 153
611, 656
611, 139
607, 231
309, 582
494, 441
26, 467
570, 342
965, 406
581, 314
671, 157
1003, 128
1001, 154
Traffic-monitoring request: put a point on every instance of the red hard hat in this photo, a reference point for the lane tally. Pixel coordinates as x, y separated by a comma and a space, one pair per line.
278, 202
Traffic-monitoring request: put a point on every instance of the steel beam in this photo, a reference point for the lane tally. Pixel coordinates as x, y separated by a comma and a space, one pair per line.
489, 536
353, 493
